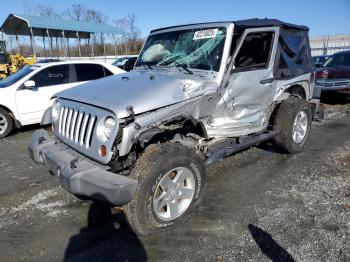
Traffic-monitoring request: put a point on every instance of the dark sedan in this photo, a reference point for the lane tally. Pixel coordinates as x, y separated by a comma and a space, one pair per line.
335, 73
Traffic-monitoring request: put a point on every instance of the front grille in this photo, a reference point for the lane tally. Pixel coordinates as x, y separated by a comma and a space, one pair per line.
333, 84
344, 83
77, 126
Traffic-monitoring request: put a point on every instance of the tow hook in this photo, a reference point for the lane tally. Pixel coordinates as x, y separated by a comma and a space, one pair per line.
73, 163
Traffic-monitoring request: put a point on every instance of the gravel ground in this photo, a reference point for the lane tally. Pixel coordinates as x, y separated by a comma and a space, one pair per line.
259, 205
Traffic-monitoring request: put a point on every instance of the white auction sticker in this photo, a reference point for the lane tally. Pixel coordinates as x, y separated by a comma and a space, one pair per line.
203, 34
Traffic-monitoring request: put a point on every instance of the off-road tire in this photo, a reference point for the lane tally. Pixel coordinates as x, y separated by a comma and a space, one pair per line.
284, 120
4, 115
150, 168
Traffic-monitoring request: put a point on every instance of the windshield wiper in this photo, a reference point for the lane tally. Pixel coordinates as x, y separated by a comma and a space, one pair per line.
145, 65
184, 67
148, 65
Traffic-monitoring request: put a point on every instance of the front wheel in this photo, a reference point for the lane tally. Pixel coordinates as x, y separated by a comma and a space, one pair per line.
292, 124
6, 123
170, 185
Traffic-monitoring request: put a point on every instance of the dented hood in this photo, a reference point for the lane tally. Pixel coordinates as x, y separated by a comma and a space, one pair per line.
144, 91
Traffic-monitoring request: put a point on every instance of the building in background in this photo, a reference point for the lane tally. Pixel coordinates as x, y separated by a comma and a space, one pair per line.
329, 44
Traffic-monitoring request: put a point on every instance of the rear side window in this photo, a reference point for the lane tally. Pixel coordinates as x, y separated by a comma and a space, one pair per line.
255, 51
87, 72
53, 75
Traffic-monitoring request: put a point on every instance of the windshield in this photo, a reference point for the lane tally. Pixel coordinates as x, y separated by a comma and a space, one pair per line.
10, 80
118, 60
195, 48
338, 60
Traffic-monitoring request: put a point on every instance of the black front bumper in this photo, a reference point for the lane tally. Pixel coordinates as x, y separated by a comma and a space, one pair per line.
79, 175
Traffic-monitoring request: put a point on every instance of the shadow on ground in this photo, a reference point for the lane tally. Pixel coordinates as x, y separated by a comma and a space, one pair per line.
269, 246
271, 148
25, 129
107, 237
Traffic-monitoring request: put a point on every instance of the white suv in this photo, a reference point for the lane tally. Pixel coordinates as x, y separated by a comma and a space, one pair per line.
26, 95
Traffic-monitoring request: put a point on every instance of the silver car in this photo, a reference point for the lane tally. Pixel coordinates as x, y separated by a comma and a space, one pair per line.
198, 93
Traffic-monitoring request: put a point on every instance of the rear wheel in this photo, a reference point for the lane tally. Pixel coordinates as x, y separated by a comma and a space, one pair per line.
170, 185
6, 123
293, 123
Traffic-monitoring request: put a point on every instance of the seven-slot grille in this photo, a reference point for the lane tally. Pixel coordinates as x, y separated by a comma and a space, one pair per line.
76, 126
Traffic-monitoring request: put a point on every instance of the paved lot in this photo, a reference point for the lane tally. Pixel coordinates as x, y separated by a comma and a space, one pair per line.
259, 205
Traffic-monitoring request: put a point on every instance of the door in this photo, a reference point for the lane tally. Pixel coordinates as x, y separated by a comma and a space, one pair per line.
250, 89
32, 103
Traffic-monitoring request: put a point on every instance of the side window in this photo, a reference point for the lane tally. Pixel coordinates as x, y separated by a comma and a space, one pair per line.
345, 61
54, 75
255, 51
87, 72
107, 72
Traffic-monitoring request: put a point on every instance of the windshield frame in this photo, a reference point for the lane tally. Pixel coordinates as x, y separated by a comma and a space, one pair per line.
224, 56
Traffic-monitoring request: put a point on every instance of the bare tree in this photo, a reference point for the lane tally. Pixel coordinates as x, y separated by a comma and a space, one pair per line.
47, 10
128, 24
96, 16
28, 7
121, 23
75, 12
133, 30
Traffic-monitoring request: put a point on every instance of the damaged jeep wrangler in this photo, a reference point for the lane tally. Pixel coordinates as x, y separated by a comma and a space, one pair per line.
198, 93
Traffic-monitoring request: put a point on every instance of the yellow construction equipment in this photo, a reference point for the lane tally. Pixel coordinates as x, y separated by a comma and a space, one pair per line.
10, 64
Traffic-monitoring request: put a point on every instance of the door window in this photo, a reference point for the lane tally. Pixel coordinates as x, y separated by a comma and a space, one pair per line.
107, 72
54, 75
255, 51
88, 72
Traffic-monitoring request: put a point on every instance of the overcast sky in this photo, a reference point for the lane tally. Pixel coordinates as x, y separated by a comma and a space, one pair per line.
322, 16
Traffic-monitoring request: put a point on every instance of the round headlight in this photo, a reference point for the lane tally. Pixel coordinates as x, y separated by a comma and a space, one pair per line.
56, 109
109, 126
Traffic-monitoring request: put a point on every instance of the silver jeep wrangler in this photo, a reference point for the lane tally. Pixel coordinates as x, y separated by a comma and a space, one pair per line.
198, 93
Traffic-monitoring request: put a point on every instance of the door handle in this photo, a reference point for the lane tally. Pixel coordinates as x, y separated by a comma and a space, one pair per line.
266, 81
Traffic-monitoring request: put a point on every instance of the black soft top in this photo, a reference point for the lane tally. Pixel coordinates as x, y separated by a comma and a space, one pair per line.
250, 23
268, 23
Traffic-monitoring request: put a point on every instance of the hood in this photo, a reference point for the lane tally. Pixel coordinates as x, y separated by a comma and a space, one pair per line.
144, 91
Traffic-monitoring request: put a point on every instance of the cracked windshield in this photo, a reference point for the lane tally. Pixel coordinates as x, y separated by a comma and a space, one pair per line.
188, 49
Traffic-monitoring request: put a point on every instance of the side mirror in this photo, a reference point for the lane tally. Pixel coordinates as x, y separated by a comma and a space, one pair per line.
29, 84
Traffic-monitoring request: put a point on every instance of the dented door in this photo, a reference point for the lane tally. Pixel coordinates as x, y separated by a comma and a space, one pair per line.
251, 88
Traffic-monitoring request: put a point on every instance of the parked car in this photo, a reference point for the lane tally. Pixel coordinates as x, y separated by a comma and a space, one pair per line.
319, 60
25, 95
198, 93
48, 60
122, 60
335, 73
129, 65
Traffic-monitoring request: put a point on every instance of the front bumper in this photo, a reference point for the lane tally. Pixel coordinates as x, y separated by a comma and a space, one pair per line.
333, 84
79, 175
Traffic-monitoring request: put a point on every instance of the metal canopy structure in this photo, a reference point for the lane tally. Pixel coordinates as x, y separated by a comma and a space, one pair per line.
35, 26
